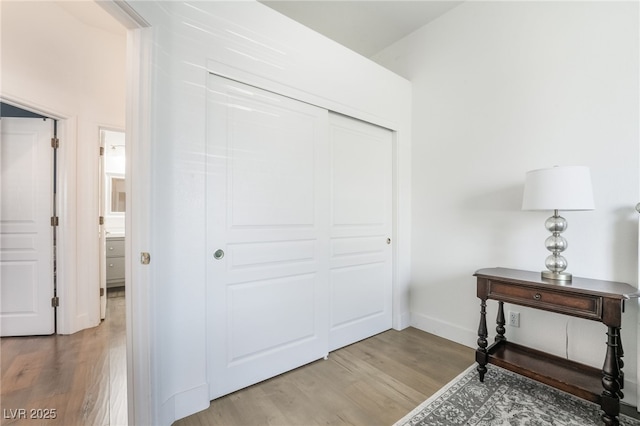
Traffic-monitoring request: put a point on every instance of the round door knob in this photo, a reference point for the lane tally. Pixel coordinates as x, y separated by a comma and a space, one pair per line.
638, 207
219, 254
537, 296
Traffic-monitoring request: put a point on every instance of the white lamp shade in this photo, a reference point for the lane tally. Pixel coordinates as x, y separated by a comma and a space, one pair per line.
558, 188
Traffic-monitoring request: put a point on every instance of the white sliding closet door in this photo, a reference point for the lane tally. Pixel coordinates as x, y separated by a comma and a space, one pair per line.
267, 234
361, 224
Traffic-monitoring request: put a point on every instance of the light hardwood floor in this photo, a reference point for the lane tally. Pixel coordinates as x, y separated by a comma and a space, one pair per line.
81, 376
373, 382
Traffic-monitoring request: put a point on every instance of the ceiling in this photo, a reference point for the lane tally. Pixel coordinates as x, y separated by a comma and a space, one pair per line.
364, 26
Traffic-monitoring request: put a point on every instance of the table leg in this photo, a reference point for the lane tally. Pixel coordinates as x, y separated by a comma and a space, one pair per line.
620, 364
610, 401
481, 352
500, 322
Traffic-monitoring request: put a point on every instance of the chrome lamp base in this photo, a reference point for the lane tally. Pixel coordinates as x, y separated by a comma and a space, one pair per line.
556, 244
557, 276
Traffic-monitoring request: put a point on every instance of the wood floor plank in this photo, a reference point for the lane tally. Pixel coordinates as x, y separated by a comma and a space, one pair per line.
23, 375
373, 382
381, 375
117, 361
436, 360
81, 376
324, 406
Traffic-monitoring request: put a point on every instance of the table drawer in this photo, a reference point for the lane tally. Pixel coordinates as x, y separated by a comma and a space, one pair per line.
576, 304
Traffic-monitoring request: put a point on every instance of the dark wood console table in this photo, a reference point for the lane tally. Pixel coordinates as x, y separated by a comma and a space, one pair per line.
595, 300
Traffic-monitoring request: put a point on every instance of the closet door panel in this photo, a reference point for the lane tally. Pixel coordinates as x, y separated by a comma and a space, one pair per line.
267, 234
361, 224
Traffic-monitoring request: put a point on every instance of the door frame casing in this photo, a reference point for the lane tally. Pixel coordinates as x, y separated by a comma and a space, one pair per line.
142, 402
67, 260
65, 206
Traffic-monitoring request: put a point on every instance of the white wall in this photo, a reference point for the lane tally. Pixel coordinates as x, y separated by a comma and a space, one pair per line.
251, 43
500, 88
58, 65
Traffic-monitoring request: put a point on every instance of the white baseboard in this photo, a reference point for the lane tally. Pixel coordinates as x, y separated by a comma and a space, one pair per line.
630, 392
402, 321
445, 329
184, 404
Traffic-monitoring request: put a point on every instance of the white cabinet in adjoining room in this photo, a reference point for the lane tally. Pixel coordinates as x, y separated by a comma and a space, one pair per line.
115, 261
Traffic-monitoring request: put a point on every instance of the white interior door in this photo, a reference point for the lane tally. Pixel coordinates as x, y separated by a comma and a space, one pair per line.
361, 224
26, 236
267, 219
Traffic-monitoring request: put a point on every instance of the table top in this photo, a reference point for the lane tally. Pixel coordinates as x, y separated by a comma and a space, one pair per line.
618, 290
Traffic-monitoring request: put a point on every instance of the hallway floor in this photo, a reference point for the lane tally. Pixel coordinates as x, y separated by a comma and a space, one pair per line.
78, 379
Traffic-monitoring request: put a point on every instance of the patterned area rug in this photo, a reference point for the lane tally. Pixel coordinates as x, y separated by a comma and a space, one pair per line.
505, 398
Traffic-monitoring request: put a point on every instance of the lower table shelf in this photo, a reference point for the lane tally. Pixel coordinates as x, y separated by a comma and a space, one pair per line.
577, 379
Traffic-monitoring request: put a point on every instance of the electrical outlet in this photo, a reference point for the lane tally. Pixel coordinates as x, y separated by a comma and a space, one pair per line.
514, 319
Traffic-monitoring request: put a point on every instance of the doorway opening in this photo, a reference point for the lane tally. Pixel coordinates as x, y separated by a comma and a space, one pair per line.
112, 216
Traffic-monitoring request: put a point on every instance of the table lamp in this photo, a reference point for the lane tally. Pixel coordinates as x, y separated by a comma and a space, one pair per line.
557, 188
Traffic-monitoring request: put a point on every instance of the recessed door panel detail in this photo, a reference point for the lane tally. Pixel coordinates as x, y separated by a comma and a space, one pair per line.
358, 246
272, 166
15, 245
359, 193
272, 254
20, 163
19, 288
275, 313
358, 293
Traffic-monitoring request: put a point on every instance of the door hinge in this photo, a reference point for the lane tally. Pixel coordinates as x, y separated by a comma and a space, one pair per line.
101, 151
101, 291
55, 302
54, 221
101, 220
55, 143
